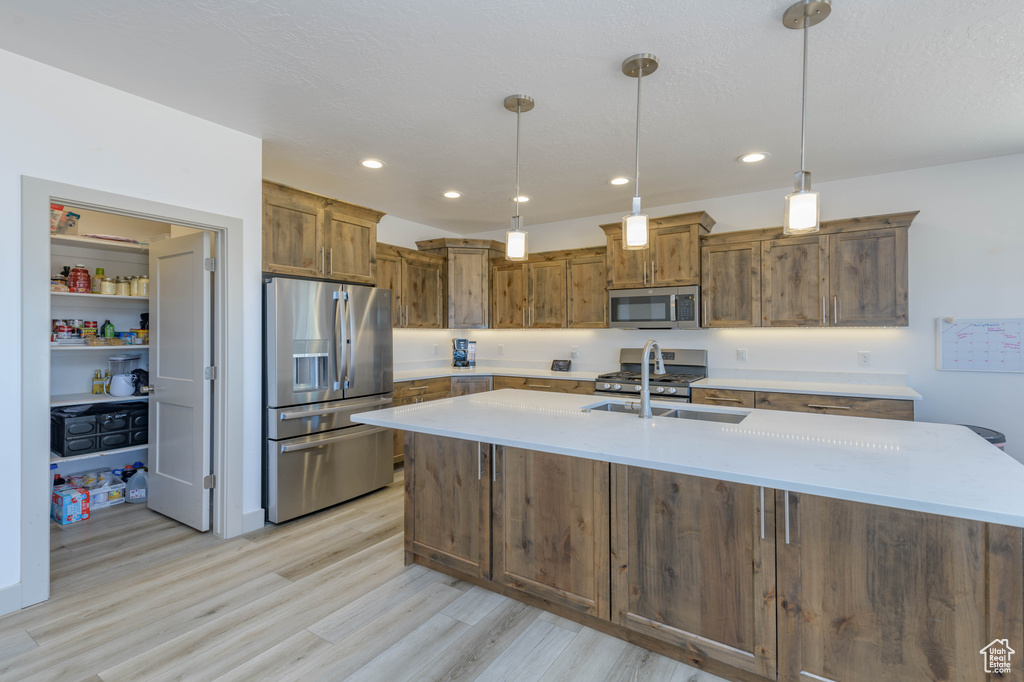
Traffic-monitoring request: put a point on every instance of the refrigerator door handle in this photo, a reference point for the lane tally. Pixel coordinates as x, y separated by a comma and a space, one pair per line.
350, 360
351, 433
336, 327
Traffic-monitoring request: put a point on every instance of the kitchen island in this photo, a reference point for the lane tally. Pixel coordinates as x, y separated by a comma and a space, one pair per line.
755, 544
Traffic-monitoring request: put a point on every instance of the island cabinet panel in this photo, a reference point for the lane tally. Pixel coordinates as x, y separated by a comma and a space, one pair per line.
794, 282
869, 277
509, 296
588, 297
550, 528
869, 593
731, 284
450, 520
292, 225
693, 564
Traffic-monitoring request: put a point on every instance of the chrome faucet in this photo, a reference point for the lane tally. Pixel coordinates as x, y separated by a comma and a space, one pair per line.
645, 377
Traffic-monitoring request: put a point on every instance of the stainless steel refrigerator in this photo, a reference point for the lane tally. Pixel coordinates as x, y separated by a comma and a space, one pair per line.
327, 354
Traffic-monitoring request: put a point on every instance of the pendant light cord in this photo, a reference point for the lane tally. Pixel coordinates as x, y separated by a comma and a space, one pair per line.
803, 103
516, 198
636, 175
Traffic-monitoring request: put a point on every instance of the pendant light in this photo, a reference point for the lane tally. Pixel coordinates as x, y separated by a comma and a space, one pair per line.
516, 247
802, 209
634, 225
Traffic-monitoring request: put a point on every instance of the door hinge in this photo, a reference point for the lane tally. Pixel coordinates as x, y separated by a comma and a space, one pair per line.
210, 372
209, 264
210, 482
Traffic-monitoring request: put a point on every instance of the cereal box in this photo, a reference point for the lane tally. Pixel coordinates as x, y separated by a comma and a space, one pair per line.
69, 504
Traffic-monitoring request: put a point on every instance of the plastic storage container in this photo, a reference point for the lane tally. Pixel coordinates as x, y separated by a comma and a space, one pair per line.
137, 488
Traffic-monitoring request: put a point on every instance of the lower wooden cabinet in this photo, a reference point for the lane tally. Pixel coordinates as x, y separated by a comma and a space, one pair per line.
555, 385
722, 397
468, 385
847, 406
693, 564
874, 593
550, 528
448, 502
416, 391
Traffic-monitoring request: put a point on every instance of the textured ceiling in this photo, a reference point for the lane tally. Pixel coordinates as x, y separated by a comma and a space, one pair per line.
894, 84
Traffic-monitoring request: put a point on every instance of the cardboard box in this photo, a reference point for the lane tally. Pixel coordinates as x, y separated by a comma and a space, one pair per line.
69, 504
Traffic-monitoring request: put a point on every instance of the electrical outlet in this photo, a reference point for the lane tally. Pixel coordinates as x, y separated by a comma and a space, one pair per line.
435, 349
574, 352
864, 358
741, 354
501, 349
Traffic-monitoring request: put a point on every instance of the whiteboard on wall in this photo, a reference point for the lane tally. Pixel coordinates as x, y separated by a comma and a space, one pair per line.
980, 344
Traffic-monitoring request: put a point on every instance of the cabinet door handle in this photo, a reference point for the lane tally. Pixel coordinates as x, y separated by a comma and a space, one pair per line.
332, 260
654, 271
322, 250
480, 474
829, 407
724, 400
787, 517
524, 317
494, 462
605, 318
406, 316
762, 512
704, 312
645, 272
824, 309
835, 309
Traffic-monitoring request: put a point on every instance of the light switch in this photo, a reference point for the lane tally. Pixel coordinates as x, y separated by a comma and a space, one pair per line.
864, 358
741, 354
574, 352
501, 349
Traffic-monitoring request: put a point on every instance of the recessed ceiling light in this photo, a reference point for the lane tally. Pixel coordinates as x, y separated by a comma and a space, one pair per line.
373, 163
618, 181
453, 194
522, 199
754, 157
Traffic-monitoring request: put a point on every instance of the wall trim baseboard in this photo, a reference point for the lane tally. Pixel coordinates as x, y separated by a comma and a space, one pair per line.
253, 520
10, 598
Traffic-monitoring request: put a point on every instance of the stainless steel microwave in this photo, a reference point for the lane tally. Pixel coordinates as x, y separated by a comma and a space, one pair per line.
660, 308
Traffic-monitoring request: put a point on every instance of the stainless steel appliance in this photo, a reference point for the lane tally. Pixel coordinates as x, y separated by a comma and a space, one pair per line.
682, 366
460, 352
659, 308
327, 355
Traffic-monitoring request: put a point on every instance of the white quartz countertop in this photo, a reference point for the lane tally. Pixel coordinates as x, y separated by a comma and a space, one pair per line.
935, 468
810, 387
488, 370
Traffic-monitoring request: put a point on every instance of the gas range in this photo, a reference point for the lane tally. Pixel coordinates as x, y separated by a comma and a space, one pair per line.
681, 366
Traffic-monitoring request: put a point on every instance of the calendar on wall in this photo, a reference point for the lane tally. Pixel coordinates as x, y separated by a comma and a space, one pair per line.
980, 344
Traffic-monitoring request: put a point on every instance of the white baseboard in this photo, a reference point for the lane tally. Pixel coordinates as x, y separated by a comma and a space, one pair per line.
10, 598
253, 520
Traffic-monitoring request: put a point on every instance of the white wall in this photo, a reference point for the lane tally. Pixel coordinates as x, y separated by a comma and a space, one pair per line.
402, 232
68, 129
966, 260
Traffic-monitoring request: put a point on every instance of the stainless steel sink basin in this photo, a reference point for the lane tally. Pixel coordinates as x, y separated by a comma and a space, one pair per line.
704, 414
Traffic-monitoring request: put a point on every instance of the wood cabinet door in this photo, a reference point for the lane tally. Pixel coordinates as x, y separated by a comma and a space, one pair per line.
731, 284
840, 405
509, 282
550, 525
627, 268
588, 297
869, 593
693, 564
869, 278
721, 396
389, 276
422, 291
794, 282
675, 255
469, 385
548, 295
468, 299
292, 226
350, 245
447, 502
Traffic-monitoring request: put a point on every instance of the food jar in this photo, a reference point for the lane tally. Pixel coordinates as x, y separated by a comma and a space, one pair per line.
143, 285
122, 287
133, 286
108, 287
79, 281
97, 281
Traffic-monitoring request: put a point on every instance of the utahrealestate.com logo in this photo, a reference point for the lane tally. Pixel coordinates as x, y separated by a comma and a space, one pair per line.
997, 656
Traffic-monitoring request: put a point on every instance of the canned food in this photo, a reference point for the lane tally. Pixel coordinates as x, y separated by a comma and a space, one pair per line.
63, 332
57, 323
90, 328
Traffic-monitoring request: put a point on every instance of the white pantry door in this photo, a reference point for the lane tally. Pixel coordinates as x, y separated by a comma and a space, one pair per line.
179, 403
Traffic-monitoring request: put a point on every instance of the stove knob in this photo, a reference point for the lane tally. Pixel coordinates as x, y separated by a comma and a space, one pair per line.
606, 386
671, 390
636, 388
617, 387
661, 389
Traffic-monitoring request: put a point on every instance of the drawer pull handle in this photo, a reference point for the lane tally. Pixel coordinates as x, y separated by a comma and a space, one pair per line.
538, 386
418, 388
829, 407
725, 400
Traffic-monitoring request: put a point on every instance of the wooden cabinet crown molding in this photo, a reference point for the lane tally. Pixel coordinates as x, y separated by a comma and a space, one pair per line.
874, 222
548, 256
435, 245
701, 218
353, 210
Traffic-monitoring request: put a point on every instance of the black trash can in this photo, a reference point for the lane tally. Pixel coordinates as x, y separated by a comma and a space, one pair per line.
994, 437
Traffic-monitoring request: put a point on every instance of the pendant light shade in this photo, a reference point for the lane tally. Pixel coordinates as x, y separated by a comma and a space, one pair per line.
516, 247
634, 225
802, 209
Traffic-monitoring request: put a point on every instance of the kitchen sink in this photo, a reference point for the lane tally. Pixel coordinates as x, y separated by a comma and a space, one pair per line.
704, 414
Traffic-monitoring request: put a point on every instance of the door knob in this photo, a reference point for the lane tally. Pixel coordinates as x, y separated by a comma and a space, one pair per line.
147, 389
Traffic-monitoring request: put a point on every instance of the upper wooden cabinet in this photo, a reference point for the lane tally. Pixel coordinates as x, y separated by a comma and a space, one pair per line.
552, 289
417, 282
468, 281
548, 296
851, 273
672, 257
588, 297
509, 295
309, 235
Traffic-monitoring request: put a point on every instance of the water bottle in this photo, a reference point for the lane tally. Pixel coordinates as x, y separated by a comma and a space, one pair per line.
137, 488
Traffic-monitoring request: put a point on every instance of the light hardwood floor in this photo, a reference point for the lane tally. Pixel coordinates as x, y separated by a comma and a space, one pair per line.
136, 596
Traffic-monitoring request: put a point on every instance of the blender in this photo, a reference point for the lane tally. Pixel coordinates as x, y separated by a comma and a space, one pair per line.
121, 382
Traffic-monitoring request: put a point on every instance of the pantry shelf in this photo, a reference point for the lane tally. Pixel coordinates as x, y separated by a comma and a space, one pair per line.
66, 298
90, 398
57, 459
90, 243
115, 349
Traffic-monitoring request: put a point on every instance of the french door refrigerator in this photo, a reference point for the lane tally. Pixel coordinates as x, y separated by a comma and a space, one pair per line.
327, 354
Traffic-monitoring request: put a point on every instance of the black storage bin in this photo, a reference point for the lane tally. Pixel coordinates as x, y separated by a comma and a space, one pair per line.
140, 436
105, 426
